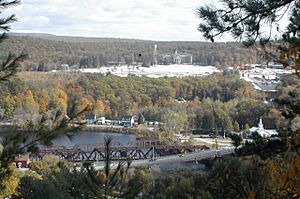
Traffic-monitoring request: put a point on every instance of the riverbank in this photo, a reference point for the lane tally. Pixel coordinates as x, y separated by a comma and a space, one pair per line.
110, 129
139, 131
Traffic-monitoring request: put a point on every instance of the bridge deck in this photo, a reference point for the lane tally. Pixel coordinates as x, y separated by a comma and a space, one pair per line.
138, 150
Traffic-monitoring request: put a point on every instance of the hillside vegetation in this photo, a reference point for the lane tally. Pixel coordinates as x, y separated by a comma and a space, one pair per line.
222, 102
47, 52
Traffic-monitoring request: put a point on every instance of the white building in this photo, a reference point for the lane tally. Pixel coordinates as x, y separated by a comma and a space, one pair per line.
182, 138
101, 121
127, 121
176, 58
263, 132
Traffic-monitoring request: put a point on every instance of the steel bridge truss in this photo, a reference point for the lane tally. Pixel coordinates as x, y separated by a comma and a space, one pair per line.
132, 151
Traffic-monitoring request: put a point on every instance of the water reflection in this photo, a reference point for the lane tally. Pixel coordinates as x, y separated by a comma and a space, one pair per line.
93, 138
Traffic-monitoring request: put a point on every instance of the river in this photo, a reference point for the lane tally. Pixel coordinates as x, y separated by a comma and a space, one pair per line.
93, 138
98, 137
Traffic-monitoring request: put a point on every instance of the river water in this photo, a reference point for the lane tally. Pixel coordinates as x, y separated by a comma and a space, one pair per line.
93, 138
98, 137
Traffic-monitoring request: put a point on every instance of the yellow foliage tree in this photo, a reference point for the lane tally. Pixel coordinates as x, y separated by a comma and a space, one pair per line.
9, 102
285, 173
43, 102
100, 107
59, 99
27, 101
134, 108
291, 53
80, 106
9, 183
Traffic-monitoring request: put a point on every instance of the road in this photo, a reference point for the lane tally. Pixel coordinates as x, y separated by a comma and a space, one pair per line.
174, 158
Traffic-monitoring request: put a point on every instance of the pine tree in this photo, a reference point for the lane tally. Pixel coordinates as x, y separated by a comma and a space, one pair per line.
49, 127
247, 22
10, 65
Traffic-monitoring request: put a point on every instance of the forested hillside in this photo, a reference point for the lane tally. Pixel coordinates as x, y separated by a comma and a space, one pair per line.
48, 52
220, 101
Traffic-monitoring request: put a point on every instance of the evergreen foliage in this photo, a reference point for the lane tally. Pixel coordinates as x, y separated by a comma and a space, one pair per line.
48, 53
43, 130
247, 21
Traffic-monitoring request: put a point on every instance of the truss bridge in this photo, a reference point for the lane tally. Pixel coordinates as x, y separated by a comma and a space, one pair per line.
138, 150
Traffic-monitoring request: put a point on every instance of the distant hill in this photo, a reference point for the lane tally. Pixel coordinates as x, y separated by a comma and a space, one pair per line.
47, 51
38, 35
73, 39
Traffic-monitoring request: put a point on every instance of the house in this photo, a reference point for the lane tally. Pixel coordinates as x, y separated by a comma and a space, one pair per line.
101, 121
22, 161
113, 121
182, 138
116, 63
91, 118
127, 121
263, 132
175, 58
183, 58
64, 67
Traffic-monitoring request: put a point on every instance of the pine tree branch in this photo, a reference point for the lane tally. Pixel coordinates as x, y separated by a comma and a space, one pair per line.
239, 15
4, 22
5, 4
9, 67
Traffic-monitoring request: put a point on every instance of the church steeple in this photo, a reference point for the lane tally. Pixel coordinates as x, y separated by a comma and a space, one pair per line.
260, 125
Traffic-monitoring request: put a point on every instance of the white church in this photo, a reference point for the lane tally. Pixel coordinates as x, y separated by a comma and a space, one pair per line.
263, 132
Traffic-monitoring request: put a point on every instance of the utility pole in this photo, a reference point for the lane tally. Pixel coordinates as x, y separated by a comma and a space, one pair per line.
155, 55
153, 153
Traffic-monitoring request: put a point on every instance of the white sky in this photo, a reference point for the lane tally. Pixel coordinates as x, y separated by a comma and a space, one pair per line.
166, 20
134, 19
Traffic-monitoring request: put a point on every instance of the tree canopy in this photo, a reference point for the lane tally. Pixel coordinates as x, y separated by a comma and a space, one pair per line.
49, 126
247, 22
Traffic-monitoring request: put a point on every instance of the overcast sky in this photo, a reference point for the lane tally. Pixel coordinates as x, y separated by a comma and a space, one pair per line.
134, 19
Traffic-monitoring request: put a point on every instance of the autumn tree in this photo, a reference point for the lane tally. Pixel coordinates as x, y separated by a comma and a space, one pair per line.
54, 178
109, 182
232, 178
49, 127
59, 100
173, 123
7, 69
8, 104
139, 183
100, 107
247, 22
43, 102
